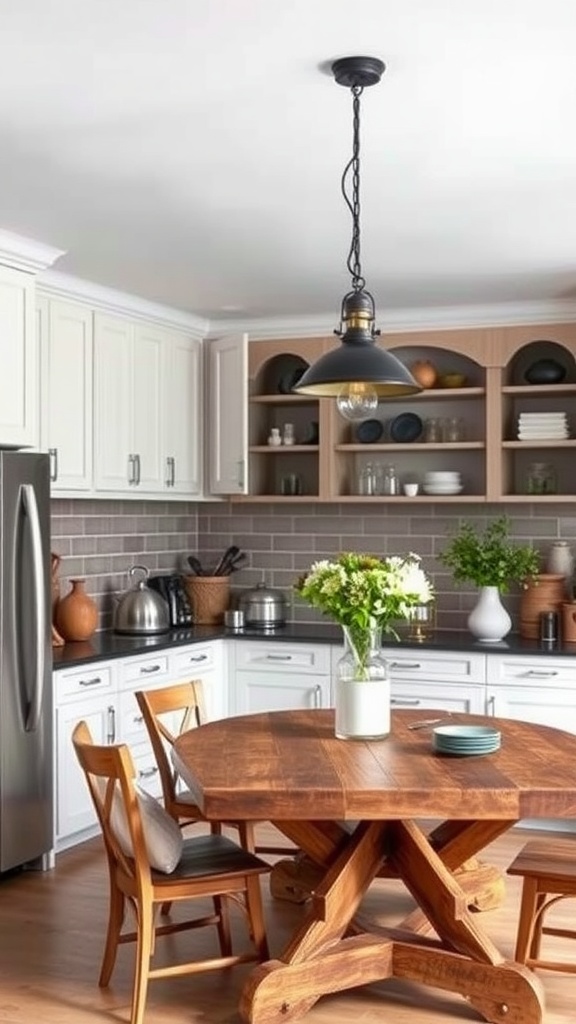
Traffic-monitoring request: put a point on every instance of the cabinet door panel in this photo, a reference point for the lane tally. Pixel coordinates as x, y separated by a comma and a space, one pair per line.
228, 415
66, 360
457, 698
183, 417
148, 387
19, 392
278, 692
112, 402
74, 808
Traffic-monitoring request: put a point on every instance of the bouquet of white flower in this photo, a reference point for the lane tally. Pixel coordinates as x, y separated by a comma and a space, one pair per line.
363, 592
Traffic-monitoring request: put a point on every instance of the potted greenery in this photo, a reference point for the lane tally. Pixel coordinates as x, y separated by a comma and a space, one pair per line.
492, 562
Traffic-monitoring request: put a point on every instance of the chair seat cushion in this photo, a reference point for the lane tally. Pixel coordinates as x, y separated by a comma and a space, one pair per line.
162, 835
215, 855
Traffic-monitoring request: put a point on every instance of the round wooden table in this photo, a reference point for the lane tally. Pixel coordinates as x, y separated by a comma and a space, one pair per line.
287, 767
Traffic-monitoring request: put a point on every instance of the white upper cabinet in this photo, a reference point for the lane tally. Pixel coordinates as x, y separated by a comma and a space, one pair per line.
182, 442
128, 409
19, 392
66, 351
228, 415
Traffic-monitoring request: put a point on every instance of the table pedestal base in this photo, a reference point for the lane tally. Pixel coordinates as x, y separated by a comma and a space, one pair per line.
335, 949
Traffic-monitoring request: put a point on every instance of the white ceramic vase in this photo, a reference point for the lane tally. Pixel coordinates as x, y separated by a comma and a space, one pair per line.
489, 621
362, 688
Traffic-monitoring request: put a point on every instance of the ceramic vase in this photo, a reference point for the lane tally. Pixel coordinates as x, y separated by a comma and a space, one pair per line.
489, 621
362, 688
560, 561
76, 614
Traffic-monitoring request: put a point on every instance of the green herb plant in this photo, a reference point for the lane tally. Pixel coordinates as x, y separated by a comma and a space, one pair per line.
489, 559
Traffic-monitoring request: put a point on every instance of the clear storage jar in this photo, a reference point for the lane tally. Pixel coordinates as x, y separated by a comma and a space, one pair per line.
541, 478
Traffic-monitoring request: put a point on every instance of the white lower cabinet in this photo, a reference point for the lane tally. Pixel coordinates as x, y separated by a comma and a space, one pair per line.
540, 689
103, 695
271, 676
87, 694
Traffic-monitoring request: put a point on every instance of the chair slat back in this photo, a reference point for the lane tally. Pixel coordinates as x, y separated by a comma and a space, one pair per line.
187, 698
109, 772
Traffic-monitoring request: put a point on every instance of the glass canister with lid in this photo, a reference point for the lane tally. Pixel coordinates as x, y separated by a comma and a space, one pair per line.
541, 478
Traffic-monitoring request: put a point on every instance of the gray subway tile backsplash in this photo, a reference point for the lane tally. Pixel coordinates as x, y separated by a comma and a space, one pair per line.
101, 540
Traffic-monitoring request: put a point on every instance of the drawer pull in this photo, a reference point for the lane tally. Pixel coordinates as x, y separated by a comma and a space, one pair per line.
318, 696
111, 724
198, 657
278, 657
90, 682
410, 702
138, 719
541, 673
147, 773
147, 670
405, 664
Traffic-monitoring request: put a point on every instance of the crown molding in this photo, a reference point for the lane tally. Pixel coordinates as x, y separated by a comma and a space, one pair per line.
26, 253
64, 286
398, 320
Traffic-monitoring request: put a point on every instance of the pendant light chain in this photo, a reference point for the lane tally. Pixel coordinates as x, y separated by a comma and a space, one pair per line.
353, 261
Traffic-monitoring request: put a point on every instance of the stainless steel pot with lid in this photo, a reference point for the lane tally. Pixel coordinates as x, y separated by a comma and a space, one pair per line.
141, 611
263, 606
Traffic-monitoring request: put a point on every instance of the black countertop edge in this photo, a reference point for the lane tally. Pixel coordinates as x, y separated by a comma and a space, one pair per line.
106, 646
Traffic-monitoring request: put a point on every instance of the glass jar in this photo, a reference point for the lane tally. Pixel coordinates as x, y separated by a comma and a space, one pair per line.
541, 478
362, 687
390, 481
367, 479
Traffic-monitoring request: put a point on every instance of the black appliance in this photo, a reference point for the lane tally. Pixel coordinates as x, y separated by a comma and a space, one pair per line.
171, 587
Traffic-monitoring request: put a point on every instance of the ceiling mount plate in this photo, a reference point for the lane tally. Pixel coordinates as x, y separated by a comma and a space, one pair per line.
358, 71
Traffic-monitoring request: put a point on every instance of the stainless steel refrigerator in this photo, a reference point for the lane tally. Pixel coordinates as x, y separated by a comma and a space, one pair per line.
26, 758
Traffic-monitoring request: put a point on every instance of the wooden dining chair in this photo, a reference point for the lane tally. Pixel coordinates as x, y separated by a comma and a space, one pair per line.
136, 837
183, 705
548, 870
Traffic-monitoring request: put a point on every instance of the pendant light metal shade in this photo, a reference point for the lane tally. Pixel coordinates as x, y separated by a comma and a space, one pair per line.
358, 366
361, 364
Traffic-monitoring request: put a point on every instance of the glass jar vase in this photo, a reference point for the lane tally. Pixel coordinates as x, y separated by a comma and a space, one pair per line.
362, 687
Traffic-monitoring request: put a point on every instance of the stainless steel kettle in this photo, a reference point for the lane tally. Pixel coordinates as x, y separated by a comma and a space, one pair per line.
141, 611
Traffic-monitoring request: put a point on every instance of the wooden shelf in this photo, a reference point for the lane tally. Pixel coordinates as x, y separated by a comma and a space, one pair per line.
413, 446
280, 399
546, 443
537, 390
282, 449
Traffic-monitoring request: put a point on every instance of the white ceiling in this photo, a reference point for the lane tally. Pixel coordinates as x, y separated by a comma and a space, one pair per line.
190, 151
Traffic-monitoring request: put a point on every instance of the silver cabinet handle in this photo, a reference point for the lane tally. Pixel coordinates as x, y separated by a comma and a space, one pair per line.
491, 706
138, 719
90, 682
170, 471
53, 454
411, 702
317, 694
138, 473
198, 657
278, 657
405, 664
535, 673
111, 724
147, 670
240, 473
147, 773
131, 469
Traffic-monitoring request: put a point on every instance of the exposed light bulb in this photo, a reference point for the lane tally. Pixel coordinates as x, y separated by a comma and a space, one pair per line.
357, 401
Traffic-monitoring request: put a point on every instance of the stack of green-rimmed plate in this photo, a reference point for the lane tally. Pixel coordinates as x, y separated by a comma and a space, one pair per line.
465, 740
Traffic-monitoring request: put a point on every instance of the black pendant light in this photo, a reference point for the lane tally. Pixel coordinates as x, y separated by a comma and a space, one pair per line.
358, 372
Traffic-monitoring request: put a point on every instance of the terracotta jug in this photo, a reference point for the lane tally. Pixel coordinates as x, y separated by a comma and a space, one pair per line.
569, 622
76, 614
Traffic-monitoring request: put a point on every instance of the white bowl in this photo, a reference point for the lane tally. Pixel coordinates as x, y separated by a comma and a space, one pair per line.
448, 489
445, 475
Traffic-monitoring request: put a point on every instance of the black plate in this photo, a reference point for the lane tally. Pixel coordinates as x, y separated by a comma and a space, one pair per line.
369, 431
406, 427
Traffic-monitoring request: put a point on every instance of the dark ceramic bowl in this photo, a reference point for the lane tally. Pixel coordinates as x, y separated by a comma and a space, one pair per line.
545, 371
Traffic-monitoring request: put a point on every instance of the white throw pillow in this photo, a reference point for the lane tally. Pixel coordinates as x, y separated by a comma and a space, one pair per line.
162, 835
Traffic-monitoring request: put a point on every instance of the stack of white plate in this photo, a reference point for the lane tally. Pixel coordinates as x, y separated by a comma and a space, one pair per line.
465, 740
543, 426
442, 482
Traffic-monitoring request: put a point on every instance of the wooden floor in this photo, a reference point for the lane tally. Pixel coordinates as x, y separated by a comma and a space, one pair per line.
51, 933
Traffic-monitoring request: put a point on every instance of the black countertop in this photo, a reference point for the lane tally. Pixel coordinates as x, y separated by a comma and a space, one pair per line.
108, 645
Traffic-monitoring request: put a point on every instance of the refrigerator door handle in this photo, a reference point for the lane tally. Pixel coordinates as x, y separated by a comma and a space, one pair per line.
29, 509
